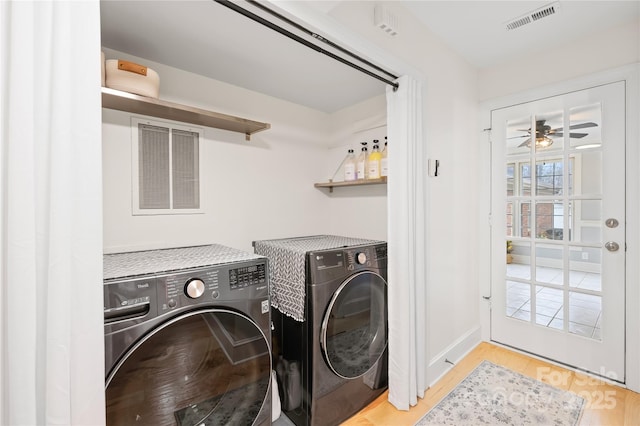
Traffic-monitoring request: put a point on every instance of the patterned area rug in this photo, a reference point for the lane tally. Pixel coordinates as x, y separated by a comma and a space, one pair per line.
494, 395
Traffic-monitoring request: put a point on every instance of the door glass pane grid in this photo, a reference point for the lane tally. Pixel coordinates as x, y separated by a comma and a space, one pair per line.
580, 165
585, 310
556, 216
551, 179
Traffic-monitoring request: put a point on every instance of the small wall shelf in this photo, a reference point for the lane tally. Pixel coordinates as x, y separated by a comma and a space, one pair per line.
124, 101
331, 184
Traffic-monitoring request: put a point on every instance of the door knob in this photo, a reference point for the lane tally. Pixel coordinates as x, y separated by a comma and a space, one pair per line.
611, 246
611, 223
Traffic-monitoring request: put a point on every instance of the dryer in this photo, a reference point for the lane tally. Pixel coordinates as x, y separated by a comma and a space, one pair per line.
187, 338
330, 334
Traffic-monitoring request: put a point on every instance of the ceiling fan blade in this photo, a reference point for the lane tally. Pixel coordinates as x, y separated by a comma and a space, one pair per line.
583, 125
525, 143
580, 126
518, 137
571, 135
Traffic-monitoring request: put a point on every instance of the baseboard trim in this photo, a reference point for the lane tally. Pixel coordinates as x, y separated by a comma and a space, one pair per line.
445, 360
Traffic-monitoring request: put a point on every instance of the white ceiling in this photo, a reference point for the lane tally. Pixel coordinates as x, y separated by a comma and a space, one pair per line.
203, 37
209, 39
477, 31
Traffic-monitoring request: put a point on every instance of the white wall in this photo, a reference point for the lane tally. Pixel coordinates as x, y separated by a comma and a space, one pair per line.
610, 48
251, 190
357, 211
450, 136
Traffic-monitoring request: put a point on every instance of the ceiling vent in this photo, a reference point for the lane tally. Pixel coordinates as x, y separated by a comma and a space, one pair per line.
533, 16
385, 20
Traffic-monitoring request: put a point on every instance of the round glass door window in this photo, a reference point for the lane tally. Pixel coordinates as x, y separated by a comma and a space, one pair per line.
354, 329
208, 367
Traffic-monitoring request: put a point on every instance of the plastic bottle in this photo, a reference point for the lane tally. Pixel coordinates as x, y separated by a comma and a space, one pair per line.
384, 168
361, 170
374, 162
350, 166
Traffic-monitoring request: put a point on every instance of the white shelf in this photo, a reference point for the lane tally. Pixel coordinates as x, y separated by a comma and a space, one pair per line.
331, 184
124, 101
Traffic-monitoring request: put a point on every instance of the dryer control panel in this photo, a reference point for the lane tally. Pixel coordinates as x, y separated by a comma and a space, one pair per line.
331, 264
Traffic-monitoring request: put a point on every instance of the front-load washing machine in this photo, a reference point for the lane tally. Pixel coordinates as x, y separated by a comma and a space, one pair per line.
329, 310
187, 337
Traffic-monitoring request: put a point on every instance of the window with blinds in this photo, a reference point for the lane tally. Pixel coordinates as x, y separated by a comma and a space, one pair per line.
166, 168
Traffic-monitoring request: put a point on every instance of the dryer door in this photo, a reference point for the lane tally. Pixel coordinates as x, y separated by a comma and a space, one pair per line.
208, 367
354, 328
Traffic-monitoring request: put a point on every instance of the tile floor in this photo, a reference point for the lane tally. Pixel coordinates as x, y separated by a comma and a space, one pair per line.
584, 309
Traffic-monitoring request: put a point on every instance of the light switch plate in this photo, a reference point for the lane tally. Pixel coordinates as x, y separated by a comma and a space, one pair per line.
433, 166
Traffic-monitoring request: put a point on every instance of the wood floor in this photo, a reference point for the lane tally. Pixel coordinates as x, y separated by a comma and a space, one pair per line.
606, 405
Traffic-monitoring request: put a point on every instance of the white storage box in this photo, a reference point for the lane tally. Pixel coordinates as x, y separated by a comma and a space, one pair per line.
133, 78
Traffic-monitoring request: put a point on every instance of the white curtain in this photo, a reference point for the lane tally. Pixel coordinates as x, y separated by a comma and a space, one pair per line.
51, 332
407, 244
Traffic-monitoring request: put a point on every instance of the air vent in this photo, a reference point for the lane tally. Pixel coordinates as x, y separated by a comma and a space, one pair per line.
544, 12
533, 16
385, 20
518, 23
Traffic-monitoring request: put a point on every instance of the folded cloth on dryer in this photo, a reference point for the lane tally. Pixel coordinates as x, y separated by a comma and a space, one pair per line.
121, 265
287, 259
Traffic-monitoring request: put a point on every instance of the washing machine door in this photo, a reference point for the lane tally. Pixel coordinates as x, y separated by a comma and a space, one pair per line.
354, 328
208, 367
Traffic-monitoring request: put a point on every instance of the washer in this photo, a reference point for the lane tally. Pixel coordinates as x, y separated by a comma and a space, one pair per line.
187, 338
332, 360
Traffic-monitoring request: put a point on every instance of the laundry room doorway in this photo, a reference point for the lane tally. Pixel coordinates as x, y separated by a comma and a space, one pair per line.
558, 228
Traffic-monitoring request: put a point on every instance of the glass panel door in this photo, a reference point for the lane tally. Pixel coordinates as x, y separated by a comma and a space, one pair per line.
560, 293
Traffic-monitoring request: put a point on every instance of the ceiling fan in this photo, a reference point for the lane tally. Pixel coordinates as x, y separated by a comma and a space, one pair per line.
544, 133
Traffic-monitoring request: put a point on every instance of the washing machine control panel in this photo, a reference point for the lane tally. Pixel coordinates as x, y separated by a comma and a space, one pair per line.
247, 276
218, 283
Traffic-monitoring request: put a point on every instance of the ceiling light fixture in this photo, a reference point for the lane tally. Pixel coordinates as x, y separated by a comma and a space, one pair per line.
541, 142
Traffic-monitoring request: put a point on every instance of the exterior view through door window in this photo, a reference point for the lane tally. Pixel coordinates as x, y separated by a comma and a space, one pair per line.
558, 206
553, 221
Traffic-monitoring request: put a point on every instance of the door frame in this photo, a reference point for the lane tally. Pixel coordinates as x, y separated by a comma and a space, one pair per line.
631, 75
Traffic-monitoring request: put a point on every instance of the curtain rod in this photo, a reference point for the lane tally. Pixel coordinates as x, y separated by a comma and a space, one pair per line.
307, 43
